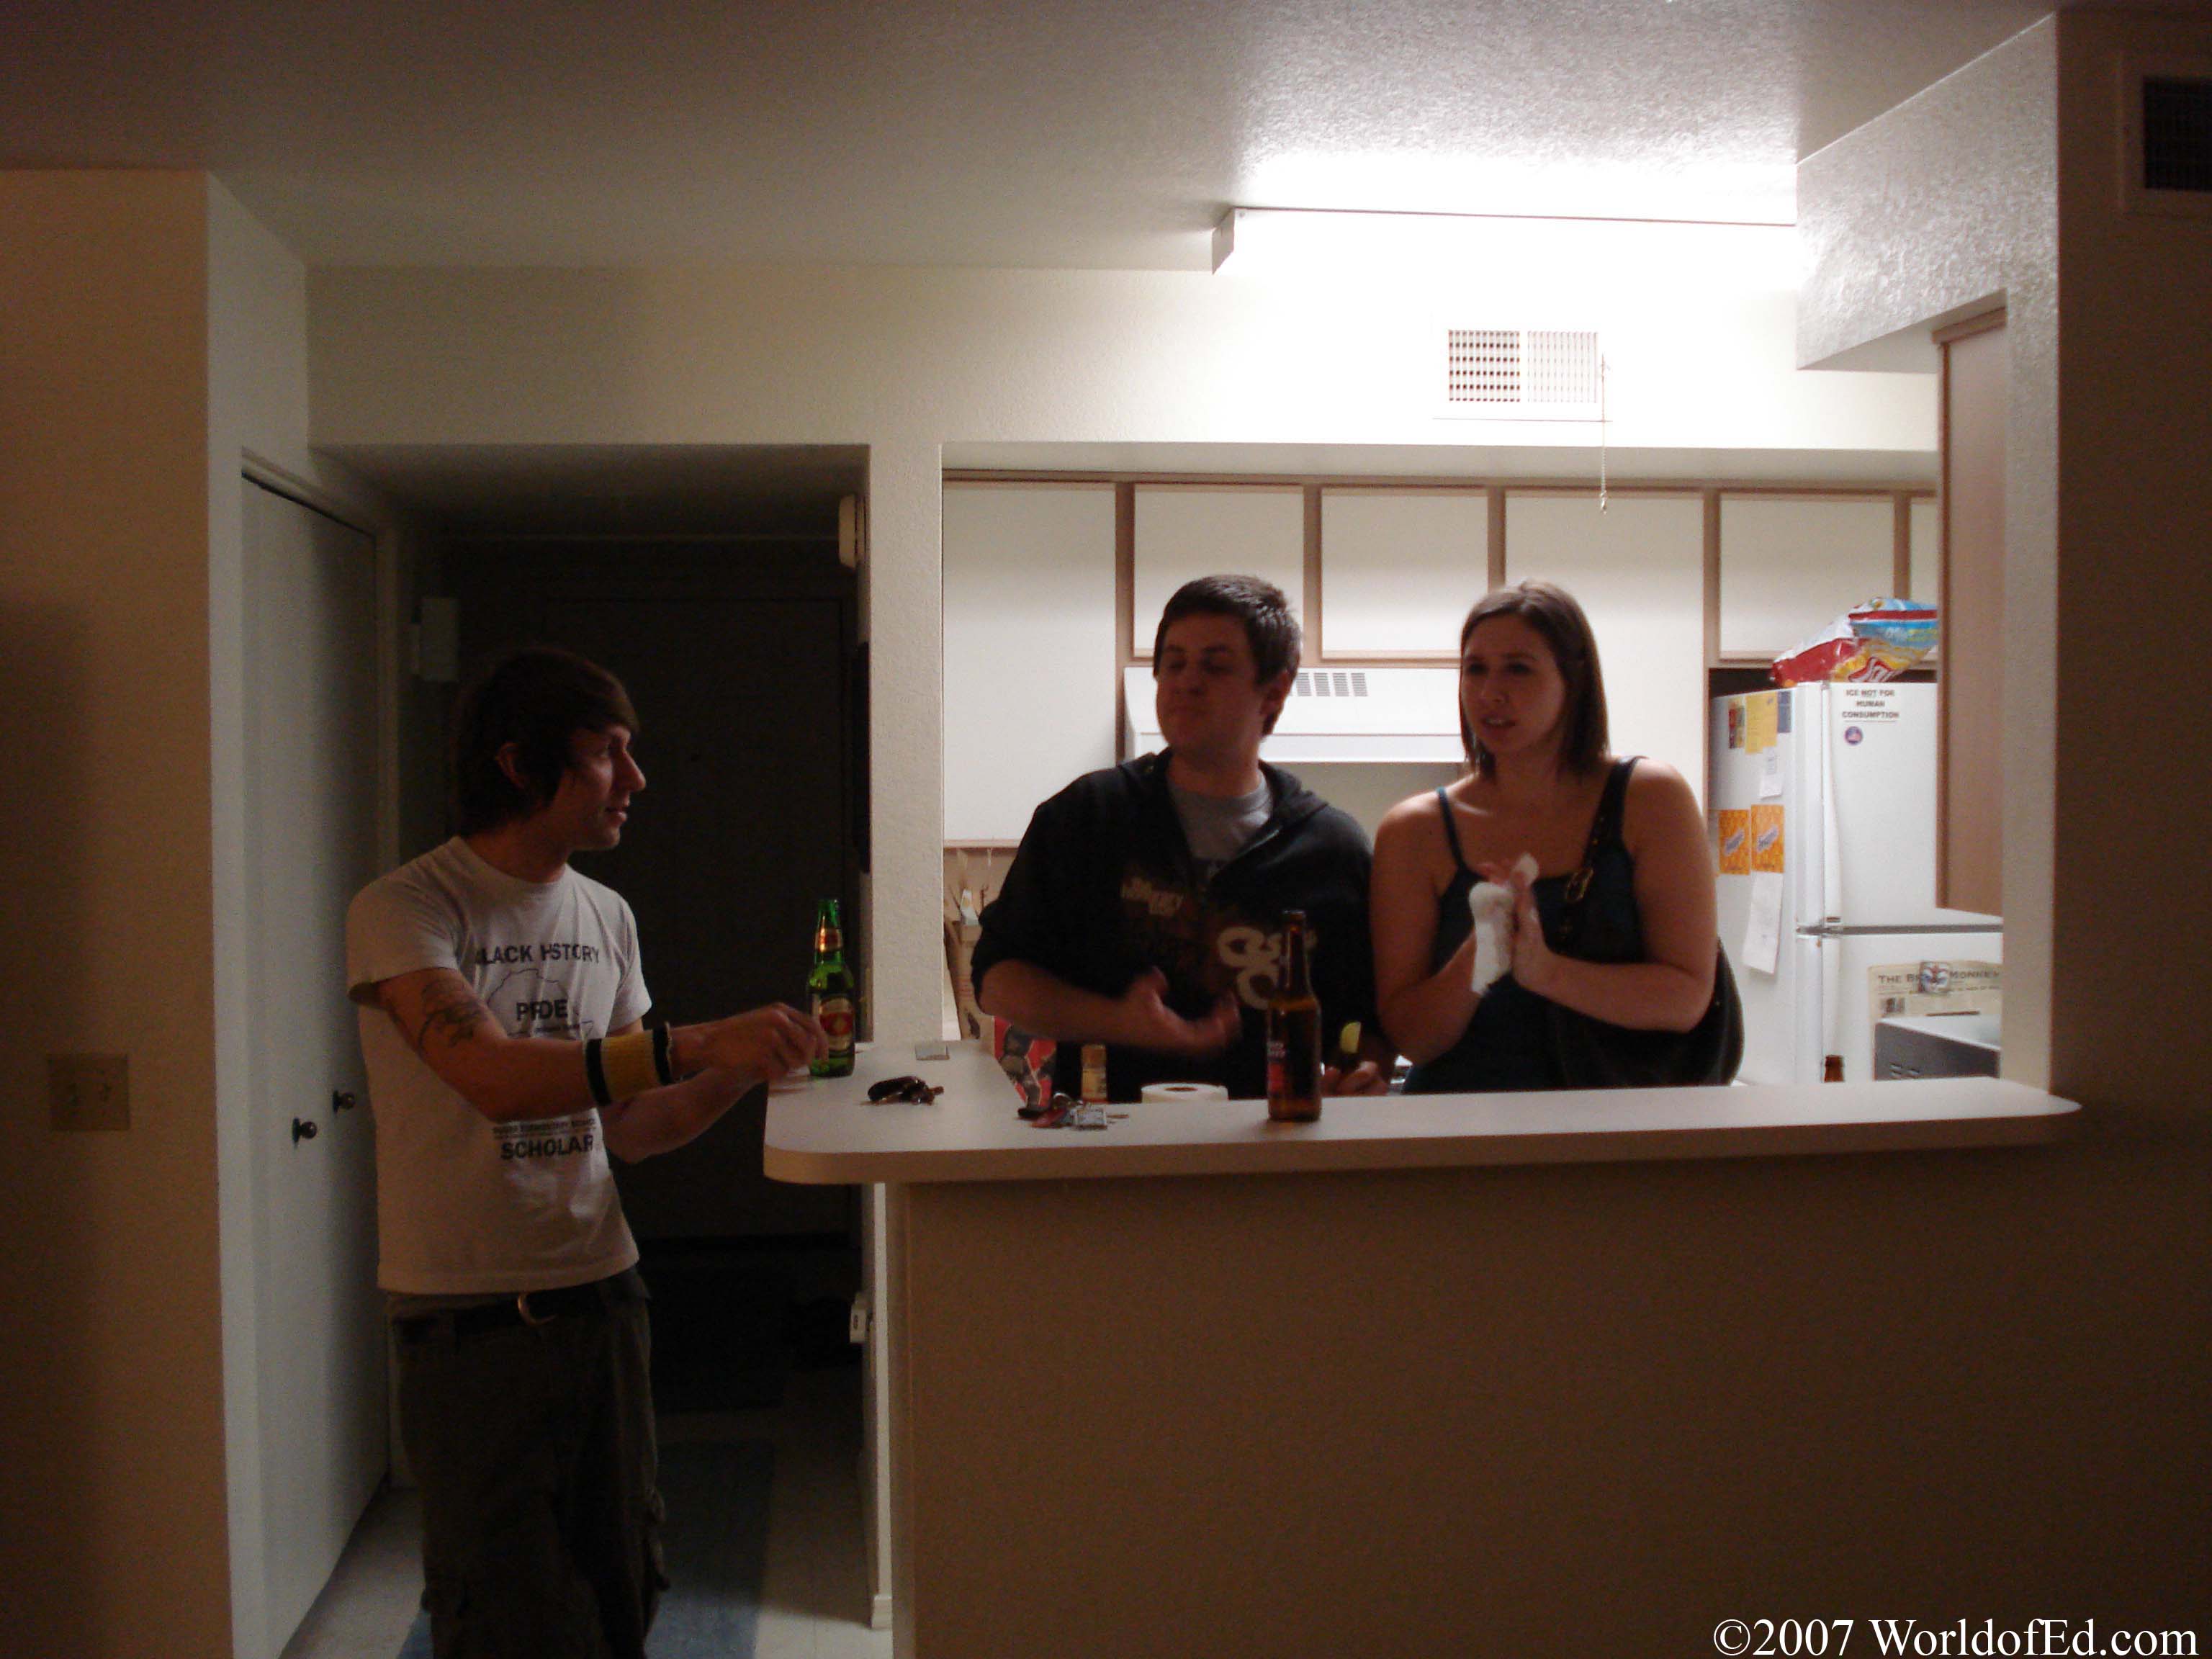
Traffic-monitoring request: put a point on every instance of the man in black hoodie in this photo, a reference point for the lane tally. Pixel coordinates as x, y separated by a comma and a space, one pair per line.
1144, 909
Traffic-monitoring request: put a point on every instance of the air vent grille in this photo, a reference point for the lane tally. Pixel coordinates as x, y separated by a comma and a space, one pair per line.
2177, 135
1562, 366
1521, 371
1482, 365
1330, 683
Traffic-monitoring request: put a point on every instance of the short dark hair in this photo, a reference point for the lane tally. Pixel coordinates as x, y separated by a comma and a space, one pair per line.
538, 699
1553, 612
1269, 628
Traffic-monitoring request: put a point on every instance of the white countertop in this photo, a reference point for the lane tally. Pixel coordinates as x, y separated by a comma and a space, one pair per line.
828, 1132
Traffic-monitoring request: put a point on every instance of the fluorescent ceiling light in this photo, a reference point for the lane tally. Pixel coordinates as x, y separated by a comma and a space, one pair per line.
1536, 256
1671, 183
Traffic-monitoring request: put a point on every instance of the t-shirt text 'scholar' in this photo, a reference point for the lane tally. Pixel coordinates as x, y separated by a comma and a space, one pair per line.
464, 1204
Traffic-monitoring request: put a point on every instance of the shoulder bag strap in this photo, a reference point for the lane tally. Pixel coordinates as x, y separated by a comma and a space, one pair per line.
1451, 831
1605, 828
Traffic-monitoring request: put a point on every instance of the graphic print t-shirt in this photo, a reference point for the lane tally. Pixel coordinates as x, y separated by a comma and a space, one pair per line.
464, 1205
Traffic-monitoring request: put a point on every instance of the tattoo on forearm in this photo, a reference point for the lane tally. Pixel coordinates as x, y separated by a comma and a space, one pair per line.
452, 1013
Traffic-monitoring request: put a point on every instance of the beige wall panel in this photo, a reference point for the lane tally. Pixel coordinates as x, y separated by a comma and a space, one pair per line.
2132, 970
113, 1436
1029, 649
1400, 568
1186, 532
1638, 569
1791, 565
1553, 1411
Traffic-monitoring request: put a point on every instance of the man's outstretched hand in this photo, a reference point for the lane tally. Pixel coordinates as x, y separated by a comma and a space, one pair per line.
761, 1043
1146, 1021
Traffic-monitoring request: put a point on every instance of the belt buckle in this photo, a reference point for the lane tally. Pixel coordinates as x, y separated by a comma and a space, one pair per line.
522, 1307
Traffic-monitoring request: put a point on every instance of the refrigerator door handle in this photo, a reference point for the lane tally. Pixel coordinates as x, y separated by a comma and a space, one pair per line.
1831, 840
1831, 1013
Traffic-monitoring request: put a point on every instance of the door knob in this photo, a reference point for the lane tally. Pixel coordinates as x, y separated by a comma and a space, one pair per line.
301, 1130
342, 1100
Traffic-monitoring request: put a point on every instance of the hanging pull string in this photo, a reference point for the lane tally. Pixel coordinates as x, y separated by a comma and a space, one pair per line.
1600, 434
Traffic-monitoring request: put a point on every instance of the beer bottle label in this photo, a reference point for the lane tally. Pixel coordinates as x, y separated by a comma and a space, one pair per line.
836, 1015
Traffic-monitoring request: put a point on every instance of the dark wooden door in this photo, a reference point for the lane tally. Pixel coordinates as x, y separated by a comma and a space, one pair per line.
738, 659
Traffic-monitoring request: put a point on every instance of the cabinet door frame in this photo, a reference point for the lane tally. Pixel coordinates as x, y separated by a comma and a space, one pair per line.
1901, 498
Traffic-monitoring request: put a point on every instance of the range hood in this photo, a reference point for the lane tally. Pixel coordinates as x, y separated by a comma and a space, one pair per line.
1381, 714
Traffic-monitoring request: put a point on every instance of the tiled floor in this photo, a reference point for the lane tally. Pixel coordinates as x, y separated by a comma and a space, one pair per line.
814, 1600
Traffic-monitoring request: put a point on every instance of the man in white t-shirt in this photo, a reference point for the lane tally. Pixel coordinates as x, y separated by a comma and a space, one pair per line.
501, 1007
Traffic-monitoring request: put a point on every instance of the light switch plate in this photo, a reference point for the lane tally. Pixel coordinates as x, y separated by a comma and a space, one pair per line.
89, 1091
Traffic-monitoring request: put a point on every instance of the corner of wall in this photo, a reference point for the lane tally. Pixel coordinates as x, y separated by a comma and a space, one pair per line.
1921, 217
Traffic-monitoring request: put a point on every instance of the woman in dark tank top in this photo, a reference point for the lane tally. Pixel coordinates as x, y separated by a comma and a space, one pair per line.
1532, 721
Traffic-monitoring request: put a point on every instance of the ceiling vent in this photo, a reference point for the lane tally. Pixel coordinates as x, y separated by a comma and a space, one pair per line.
2166, 137
1522, 374
2177, 135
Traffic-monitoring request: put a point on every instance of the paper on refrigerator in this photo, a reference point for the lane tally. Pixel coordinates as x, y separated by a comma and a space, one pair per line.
1768, 852
1761, 720
1762, 932
1735, 836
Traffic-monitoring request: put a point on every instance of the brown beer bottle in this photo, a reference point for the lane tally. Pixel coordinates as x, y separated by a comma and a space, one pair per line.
1294, 1032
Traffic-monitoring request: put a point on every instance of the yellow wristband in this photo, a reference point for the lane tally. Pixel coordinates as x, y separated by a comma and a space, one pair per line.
628, 1064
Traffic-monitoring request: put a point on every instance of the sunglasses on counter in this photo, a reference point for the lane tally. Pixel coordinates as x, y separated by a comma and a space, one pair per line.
912, 1090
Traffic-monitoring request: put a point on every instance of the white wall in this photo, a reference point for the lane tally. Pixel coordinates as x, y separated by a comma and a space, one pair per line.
256, 416
908, 361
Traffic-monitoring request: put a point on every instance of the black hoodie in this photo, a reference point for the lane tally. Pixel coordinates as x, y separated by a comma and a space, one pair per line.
1105, 887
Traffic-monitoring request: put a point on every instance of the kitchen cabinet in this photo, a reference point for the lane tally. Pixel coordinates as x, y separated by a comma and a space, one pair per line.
1925, 541
1638, 569
1184, 531
1792, 564
1029, 659
1400, 568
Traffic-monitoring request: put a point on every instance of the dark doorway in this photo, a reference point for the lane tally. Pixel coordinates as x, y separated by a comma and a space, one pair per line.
740, 655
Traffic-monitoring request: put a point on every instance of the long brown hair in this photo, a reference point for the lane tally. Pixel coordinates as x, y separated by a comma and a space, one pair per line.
1553, 612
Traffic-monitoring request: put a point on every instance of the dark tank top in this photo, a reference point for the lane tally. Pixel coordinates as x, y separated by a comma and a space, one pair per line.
1508, 1043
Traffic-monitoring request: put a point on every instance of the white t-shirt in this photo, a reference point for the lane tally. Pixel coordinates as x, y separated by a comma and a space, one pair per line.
464, 1205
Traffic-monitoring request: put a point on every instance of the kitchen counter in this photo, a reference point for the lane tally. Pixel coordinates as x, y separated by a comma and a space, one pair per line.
1429, 1376
830, 1132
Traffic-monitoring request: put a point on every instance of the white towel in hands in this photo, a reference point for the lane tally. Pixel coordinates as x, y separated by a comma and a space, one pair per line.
1492, 905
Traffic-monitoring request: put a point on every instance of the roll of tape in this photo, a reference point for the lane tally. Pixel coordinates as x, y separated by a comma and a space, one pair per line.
1184, 1092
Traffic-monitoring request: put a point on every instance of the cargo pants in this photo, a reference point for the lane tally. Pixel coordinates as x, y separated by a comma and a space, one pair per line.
534, 1448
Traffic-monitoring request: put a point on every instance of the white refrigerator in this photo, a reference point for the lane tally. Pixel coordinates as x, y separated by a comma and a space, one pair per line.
1821, 800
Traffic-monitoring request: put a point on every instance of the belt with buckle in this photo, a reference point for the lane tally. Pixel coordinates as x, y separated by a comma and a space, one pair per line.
528, 1307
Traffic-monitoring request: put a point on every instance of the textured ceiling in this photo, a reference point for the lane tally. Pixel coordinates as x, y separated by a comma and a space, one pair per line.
1107, 133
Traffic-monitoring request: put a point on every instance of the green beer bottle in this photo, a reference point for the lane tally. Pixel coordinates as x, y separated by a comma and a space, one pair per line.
830, 995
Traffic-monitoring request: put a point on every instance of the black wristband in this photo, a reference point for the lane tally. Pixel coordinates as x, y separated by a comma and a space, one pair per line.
595, 1073
663, 1054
